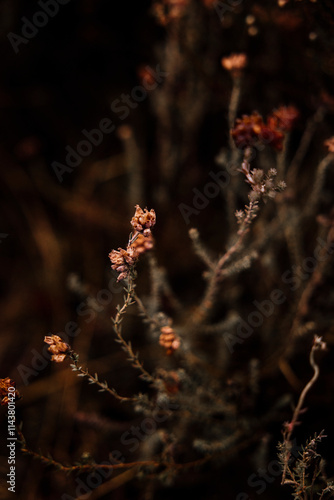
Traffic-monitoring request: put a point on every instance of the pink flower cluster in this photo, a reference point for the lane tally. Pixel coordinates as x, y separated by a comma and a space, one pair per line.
123, 260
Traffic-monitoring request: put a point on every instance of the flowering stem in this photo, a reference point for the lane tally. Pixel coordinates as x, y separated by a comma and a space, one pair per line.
216, 274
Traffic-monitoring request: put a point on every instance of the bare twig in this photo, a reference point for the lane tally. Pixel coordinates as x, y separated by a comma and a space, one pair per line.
93, 379
216, 276
318, 344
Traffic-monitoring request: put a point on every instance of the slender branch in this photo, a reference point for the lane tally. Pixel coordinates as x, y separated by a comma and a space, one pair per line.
93, 379
290, 221
318, 344
313, 200
160, 287
315, 279
129, 299
231, 198
200, 249
233, 106
282, 156
50, 461
304, 144
144, 312
216, 276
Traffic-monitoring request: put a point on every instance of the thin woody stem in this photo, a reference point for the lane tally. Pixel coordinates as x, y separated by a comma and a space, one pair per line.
231, 199
216, 277
304, 391
282, 156
303, 303
304, 144
200, 249
129, 299
93, 379
144, 311
233, 106
49, 460
318, 344
313, 200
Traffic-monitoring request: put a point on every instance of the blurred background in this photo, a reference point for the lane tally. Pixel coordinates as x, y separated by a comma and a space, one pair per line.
58, 226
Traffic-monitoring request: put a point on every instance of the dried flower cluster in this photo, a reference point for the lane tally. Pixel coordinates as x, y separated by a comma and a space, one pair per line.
234, 63
123, 260
5, 383
58, 348
142, 244
251, 130
282, 3
283, 118
169, 340
263, 185
143, 220
167, 11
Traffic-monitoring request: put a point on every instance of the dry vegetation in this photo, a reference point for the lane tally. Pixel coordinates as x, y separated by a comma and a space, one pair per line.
206, 129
